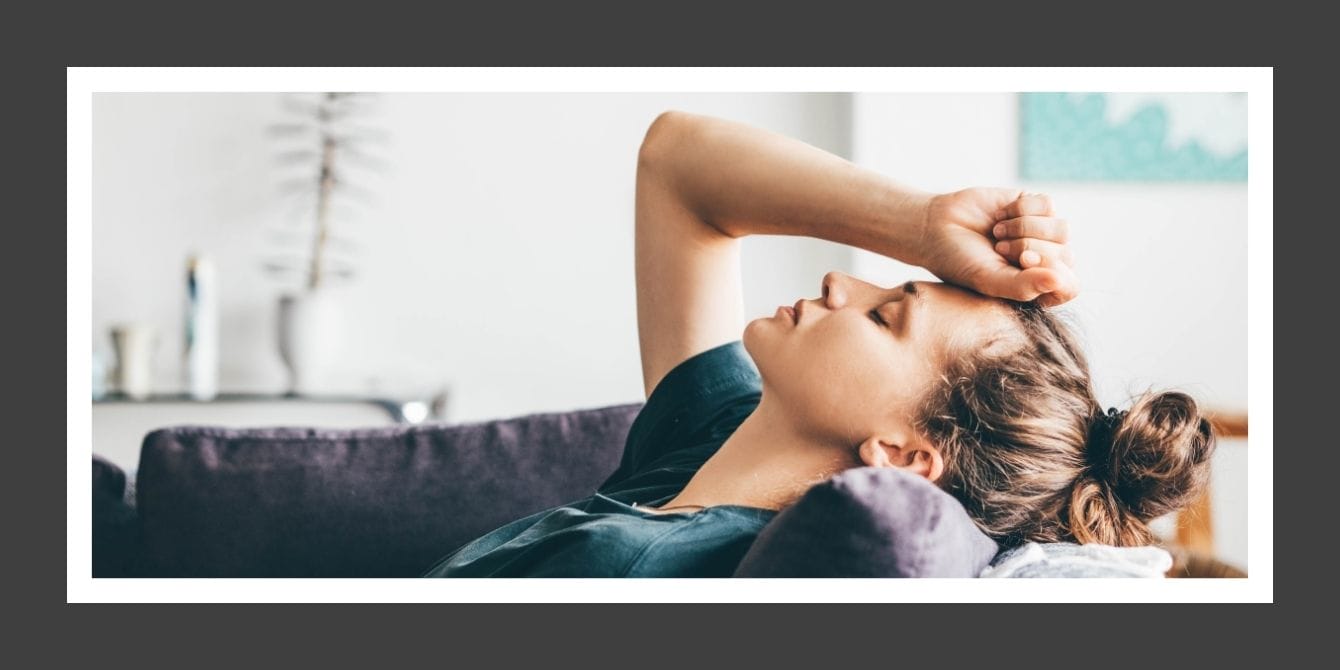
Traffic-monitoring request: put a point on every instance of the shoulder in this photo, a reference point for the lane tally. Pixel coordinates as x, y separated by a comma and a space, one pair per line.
724, 371
692, 410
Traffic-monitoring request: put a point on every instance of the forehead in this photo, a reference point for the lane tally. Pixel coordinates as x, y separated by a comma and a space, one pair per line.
966, 318
959, 295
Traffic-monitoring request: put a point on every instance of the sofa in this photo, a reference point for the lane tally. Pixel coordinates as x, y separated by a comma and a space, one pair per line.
390, 501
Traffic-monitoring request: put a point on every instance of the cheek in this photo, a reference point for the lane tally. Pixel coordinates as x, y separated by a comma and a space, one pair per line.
872, 374
834, 369
838, 370
847, 349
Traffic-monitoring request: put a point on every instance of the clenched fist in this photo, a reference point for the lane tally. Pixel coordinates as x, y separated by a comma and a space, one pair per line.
999, 242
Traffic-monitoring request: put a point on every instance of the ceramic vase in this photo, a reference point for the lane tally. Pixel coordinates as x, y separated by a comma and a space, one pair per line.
310, 333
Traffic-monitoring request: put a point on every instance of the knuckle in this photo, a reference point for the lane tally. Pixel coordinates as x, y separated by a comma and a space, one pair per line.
1030, 225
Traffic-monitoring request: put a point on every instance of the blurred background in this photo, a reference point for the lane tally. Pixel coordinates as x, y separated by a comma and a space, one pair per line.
347, 260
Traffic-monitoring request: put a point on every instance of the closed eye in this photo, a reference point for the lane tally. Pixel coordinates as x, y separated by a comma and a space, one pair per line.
874, 314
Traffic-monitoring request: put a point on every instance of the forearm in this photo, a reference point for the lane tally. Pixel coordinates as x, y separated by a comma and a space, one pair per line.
746, 181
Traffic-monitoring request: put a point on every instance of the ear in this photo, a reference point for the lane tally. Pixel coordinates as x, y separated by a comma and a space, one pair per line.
914, 455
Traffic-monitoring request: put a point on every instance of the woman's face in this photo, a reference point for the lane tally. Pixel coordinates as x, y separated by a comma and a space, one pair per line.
856, 361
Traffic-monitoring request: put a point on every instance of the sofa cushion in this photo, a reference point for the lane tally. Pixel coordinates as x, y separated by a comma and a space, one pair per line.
115, 526
377, 502
871, 522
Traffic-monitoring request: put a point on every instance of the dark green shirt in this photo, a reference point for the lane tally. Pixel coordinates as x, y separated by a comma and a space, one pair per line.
691, 412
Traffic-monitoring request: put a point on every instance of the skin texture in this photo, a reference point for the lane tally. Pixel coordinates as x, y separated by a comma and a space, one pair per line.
860, 359
839, 388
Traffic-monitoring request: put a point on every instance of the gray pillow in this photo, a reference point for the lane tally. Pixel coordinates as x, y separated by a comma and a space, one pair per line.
871, 522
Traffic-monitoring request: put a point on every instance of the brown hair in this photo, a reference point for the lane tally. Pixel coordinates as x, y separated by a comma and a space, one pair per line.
1033, 456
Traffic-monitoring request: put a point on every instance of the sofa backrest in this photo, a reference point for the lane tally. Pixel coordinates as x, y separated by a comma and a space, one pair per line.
389, 502
377, 502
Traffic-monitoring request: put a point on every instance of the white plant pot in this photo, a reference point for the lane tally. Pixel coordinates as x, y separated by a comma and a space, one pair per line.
311, 332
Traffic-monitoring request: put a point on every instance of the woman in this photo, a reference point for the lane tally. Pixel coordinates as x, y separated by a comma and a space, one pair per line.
972, 383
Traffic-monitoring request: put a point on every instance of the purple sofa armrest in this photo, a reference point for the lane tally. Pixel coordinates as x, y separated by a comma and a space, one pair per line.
115, 523
377, 502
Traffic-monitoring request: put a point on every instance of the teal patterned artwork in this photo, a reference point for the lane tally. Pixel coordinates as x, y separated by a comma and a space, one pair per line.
1133, 136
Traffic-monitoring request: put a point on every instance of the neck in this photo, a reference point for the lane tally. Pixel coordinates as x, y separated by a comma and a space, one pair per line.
768, 462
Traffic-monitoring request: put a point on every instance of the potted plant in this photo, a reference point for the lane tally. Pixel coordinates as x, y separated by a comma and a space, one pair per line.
320, 142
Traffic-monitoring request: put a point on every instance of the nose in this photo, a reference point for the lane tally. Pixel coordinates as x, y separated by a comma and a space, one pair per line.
835, 289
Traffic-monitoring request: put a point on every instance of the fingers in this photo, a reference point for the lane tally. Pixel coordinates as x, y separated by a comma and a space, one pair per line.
1010, 282
1029, 204
1064, 286
1029, 252
1041, 227
1055, 279
1028, 235
1054, 299
1050, 286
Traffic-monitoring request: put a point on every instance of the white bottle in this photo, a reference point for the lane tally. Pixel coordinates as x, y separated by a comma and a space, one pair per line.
202, 329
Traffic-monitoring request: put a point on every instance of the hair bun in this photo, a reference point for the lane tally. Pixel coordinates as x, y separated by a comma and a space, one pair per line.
1102, 432
1155, 457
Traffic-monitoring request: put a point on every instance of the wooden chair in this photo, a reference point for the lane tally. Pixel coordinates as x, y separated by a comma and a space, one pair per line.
1193, 548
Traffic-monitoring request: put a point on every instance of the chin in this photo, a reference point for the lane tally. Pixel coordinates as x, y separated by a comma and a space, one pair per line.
755, 341
751, 338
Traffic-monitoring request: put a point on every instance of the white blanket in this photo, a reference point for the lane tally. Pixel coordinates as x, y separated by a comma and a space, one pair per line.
1066, 559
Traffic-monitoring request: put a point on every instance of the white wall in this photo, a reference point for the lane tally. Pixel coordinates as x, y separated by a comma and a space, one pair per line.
496, 259
1163, 266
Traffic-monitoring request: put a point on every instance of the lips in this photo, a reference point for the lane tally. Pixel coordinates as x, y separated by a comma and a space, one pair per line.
799, 309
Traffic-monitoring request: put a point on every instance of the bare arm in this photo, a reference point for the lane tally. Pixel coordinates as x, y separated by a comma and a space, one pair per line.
702, 183
742, 181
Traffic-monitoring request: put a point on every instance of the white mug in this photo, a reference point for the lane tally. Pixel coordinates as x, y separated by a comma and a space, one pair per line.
135, 344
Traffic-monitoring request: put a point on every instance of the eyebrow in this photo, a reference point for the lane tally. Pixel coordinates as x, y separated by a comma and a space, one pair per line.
905, 314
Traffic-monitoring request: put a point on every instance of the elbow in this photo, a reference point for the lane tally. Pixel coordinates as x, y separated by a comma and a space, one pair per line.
662, 136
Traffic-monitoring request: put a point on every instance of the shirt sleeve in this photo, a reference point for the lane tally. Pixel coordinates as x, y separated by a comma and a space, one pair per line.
699, 402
